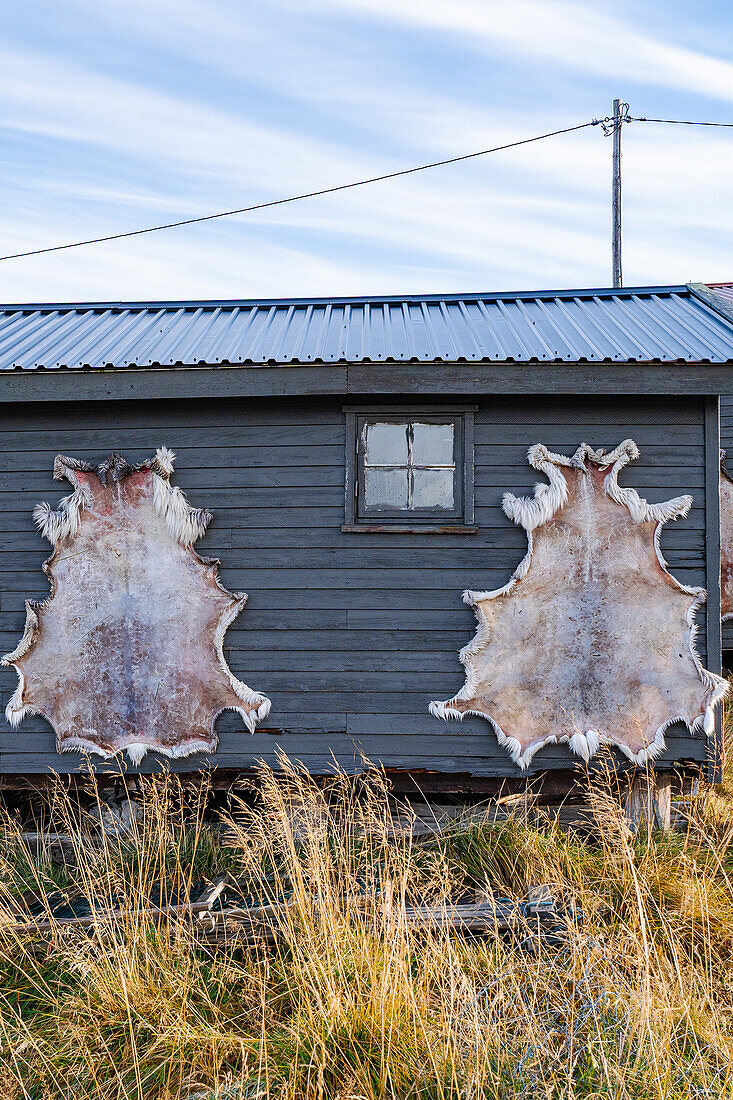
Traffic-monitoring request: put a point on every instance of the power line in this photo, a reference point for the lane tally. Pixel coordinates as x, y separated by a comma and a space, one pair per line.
604, 122
680, 122
304, 195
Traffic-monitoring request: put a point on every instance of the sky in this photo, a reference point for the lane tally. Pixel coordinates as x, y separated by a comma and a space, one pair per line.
119, 116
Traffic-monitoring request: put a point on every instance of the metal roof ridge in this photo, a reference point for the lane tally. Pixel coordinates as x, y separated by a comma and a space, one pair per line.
355, 299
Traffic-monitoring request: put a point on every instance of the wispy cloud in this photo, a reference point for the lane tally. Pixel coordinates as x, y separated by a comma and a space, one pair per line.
583, 38
166, 110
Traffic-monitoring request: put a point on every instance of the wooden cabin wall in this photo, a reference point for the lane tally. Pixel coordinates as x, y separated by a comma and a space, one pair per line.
350, 635
726, 442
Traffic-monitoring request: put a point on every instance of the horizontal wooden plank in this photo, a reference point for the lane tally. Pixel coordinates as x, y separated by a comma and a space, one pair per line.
457, 618
323, 755
658, 478
237, 476
293, 485
446, 751
247, 512
333, 579
605, 428
321, 483
422, 380
153, 385
419, 725
17, 514
258, 445
489, 379
278, 600
35, 735
399, 701
402, 598
27, 550
423, 734
512, 449
506, 548
178, 412
321, 661
254, 446
286, 526
269, 669
602, 408
295, 696
327, 497
310, 619
243, 445
195, 445
242, 458
171, 411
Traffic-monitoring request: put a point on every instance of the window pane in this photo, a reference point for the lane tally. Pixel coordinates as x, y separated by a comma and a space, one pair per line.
386, 445
432, 444
432, 489
385, 488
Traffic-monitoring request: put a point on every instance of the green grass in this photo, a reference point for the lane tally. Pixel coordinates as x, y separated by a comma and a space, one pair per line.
634, 1001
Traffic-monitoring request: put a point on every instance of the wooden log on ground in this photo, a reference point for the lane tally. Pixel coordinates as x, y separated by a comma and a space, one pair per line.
107, 916
264, 923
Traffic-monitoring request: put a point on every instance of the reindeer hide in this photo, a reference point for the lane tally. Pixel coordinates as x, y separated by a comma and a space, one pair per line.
592, 640
126, 652
726, 541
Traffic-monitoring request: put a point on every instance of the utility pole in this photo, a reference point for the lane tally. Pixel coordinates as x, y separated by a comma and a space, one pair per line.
620, 110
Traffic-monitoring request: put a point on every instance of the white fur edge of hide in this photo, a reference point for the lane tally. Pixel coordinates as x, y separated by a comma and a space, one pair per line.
259, 704
533, 512
136, 750
184, 524
57, 525
164, 459
16, 710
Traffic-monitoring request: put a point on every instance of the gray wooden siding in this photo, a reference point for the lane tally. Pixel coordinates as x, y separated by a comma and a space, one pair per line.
726, 442
350, 635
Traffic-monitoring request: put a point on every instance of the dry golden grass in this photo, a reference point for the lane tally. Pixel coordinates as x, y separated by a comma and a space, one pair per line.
634, 1000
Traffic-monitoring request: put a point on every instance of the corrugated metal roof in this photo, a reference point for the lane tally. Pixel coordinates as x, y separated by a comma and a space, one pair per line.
639, 325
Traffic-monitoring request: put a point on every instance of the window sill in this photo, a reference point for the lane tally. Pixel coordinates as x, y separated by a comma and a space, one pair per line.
407, 529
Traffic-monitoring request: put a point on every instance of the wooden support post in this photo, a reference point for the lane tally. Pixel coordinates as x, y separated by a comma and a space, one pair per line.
649, 800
